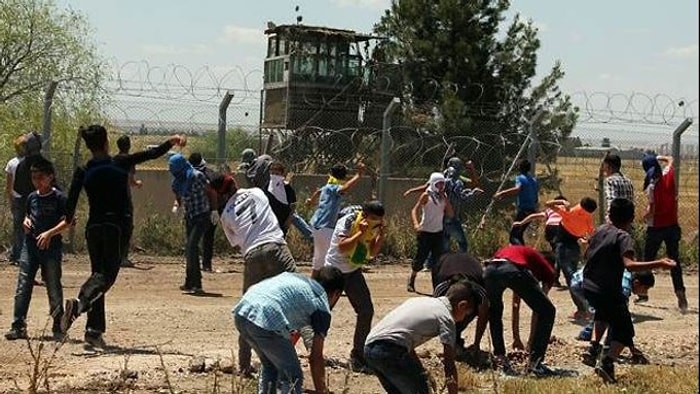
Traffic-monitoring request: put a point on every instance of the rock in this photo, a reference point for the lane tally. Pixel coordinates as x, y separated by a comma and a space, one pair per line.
197, 364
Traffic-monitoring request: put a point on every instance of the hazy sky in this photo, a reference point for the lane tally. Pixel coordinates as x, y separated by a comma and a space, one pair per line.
619, 46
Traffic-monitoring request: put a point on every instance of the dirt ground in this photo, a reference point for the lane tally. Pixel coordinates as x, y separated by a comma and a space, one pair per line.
156, 334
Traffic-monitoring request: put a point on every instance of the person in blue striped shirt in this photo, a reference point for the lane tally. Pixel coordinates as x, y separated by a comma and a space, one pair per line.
273, 310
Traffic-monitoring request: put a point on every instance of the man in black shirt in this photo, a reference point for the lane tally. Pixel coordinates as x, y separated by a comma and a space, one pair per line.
106, 182
610, 251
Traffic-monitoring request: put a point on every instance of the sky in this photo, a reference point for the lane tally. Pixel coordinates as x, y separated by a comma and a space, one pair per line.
616, 47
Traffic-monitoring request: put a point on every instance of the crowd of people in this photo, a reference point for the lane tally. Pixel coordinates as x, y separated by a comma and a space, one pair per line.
280, 305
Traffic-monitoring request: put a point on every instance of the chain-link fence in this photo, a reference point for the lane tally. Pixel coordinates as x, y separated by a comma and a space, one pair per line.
221, 110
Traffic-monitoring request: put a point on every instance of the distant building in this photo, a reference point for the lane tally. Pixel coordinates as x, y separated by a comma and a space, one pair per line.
321, 77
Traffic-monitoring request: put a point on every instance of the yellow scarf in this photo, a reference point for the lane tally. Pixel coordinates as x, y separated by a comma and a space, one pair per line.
334, 181
361, 254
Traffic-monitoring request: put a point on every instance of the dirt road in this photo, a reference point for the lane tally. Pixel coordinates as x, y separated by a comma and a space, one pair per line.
152, 325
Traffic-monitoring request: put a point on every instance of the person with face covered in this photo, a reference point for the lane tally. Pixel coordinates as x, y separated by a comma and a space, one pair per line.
433, 206
357, 237
324, 218
192, 190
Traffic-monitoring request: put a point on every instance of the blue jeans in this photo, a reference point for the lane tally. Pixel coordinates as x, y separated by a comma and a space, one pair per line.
671, 236
19, 209
452, 228
195, 227
568, 254
399, 371
280, 364
517, 233
499, 276
50, 263
302, 226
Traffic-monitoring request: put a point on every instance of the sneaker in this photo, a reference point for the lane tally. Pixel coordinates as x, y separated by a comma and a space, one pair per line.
206, 269
410, 288
583, 336
94, 340
185, 288
425, 269
591, 356
682, 301
540, 370
502, 364
195, 291
247, 372
358, 365
641, 299
126, 263
70, 312
639, 359
58, 336
16, 333
606, 370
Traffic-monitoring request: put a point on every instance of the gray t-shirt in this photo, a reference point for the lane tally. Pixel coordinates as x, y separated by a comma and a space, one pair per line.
415, 322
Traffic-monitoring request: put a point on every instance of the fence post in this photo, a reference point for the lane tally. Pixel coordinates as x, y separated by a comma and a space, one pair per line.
221, 148
46, 126
386, 144
676, 149
532, 149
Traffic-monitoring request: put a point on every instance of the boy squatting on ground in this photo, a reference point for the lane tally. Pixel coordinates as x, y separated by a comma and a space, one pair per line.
106, 182
272, 309
249, 223
46, 209
390, 346
433, 205
637, 283
358, 236
454, 268
611, 251
326, 214
521, 269
576, 226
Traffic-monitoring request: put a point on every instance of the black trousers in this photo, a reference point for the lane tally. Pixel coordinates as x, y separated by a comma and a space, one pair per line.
106, 242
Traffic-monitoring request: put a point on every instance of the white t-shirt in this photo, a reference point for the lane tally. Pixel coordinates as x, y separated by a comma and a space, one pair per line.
11, 169
248, 220
342, 230
415, 322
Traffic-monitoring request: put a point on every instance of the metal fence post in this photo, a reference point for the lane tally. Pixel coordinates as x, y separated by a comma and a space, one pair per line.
386, 144
46, 126
223, 107
534, 143
676, 149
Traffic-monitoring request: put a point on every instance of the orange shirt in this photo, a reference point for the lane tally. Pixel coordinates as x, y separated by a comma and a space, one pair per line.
576, 221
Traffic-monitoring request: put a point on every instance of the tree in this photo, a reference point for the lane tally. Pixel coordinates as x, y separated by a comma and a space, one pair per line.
40, 43
476, 87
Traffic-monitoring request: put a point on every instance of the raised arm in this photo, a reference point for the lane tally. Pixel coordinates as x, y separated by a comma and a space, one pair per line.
415, 190
150, 154
352, 181
530, 218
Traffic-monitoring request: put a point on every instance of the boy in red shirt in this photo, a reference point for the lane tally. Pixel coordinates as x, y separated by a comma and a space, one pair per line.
521, 268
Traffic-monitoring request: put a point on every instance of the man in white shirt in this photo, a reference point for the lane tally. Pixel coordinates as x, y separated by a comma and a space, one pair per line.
357, 237
250, 224
14, 200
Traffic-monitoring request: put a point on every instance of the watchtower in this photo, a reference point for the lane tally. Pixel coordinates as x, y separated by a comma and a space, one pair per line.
315, 77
